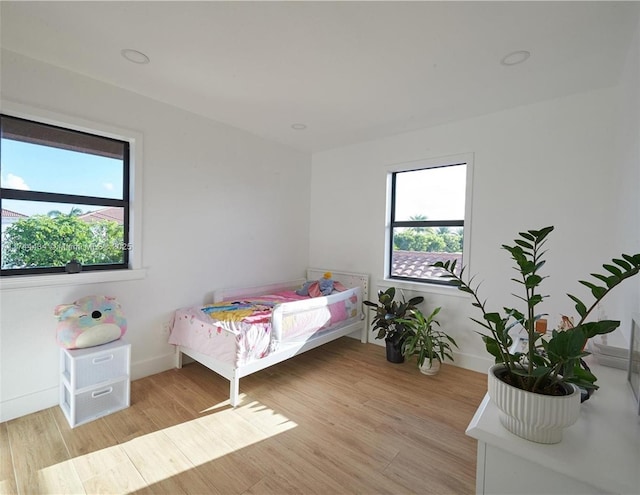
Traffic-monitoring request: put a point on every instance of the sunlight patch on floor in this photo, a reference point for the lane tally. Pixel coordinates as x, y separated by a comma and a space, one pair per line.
58, 478
225, 404
165, 453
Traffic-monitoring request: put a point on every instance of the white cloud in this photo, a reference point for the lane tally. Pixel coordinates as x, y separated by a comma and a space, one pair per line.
14, 182
108, 186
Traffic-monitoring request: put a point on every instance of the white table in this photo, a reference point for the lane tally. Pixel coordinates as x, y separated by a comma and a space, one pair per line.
598, 454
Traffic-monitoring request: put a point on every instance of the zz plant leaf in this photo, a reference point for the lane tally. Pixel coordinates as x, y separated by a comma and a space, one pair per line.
547, 362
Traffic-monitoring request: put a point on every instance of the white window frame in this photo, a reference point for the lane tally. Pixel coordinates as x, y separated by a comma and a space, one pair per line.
135, 140
426, 285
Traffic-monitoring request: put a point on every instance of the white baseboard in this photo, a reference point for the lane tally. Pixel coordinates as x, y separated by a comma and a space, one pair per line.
462, 359
152, 366
27, 404
472, 362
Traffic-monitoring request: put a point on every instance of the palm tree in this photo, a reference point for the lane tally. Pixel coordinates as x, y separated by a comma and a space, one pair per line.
420, 218
74, 212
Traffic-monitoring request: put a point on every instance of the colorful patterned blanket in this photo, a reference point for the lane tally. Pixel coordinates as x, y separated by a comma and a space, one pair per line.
253, 311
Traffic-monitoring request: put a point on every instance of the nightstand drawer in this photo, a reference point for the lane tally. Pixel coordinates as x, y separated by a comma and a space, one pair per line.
95, 403
88, 367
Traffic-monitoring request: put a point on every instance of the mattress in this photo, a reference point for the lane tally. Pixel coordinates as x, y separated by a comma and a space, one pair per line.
240, 331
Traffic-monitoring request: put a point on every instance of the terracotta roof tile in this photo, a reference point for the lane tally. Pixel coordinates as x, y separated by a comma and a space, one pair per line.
13, 214
111, 213
417, 264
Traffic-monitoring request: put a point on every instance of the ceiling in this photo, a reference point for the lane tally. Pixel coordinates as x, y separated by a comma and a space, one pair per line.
349, 71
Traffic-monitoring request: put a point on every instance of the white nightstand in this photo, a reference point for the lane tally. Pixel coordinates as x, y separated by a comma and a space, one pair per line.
94, 381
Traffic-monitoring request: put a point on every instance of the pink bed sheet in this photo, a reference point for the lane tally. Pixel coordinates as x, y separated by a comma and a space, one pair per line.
238, 332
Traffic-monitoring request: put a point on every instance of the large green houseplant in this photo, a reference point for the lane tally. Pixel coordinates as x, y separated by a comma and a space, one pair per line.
429, 345
548, 365
547, 362
392, 319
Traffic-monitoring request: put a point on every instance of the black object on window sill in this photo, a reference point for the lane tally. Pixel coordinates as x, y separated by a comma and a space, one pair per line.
74, 266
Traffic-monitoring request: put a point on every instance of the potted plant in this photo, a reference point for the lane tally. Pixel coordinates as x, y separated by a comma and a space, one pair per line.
546, 374
429, 345
391, 321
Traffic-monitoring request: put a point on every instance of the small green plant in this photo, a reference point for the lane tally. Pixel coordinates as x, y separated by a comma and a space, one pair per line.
391, 319
425, 341
547, 363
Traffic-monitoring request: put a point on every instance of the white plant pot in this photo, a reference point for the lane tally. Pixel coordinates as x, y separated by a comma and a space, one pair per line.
536, 417
430, 368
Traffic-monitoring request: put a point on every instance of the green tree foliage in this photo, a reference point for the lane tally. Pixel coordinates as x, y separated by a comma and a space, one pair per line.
74, 212
54, 240
453, 242
411, 239
420, 218
108, 235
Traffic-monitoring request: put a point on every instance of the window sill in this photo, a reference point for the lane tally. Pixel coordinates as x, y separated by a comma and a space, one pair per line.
60, 279
423, 287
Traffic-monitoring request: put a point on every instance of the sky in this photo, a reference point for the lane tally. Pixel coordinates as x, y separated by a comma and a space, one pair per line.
33, 167
437, 193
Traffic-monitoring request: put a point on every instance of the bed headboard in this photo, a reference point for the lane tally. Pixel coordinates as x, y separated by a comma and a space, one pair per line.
238, 292
348, 279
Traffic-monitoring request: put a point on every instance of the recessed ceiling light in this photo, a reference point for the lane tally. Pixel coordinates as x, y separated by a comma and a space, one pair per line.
298, 127
515, 58
135, 56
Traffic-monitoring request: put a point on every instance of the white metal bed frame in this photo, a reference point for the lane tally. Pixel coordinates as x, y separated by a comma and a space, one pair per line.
287, 351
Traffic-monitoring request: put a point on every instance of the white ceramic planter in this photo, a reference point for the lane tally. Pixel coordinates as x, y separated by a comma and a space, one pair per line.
430, 369
536, 417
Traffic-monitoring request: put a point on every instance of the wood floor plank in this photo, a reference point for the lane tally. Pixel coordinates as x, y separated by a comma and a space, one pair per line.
295, 479
40, 456
100, 464
84, 438
119, 478
157, 403
164, 468
211, 456
284, 464
432, 437
196, 399
217, 386
338, 426
197, 443
129, 424
93, 447
231, 474
337, 419
7, 476
273, 485
233, 429
435, 477
55, 479
341, 462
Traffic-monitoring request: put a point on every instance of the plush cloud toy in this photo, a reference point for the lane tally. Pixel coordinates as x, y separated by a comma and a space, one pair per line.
89, 321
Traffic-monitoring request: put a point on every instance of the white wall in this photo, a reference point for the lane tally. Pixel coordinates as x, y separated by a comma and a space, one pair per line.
627, 182
550, 163
221, 208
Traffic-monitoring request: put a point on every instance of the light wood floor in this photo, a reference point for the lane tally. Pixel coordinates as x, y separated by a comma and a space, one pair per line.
336, 420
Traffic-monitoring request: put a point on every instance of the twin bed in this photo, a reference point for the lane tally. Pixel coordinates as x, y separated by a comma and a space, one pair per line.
249, 329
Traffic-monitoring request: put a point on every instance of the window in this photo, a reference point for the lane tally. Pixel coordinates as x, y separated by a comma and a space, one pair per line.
427, 211
64, 195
